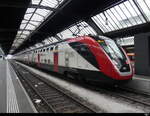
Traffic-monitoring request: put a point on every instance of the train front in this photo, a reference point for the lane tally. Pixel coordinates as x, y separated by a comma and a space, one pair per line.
113, 60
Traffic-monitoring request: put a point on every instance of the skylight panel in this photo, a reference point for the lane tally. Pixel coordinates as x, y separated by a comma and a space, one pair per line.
87, 28
23, 36
19, 40
24, 21
37, 17
30, 10
124, 15
35, 23
22, 26
19, 32
52, 39
26, 32
105, 22
27, 16
141, 19
50, 3
30, 27
36, 1
99, 24
79, 29
116, 17
111, 22
145, 6
65, 34
42, 12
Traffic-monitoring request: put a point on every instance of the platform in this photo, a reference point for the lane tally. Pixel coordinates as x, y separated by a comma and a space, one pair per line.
141, 83
13, 98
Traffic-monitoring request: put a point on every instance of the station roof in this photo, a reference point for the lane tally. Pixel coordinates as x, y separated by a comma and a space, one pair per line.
11, 14
65, 14
47, 21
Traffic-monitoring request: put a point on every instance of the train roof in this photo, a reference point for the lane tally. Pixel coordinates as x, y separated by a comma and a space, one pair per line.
55, 43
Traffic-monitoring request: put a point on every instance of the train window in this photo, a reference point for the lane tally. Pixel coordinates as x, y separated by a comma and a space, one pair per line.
51, 49
47, 49
45, 61
43, 50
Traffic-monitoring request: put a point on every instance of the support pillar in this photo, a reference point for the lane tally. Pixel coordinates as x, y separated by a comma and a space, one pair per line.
142, 54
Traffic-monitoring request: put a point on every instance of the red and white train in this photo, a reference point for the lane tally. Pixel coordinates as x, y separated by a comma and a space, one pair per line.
92, 58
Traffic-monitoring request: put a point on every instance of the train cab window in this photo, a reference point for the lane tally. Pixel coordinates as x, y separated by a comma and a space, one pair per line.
84, 50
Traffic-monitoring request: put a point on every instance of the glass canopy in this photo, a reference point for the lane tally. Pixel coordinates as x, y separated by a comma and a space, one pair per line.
38, 11
126, 14
49, 40
78, 29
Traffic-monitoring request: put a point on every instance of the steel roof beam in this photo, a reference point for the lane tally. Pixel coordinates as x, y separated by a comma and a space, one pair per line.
30, 6
94, 26
42, 7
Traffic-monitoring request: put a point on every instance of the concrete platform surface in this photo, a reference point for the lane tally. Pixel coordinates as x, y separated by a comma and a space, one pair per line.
140, 83
13, 98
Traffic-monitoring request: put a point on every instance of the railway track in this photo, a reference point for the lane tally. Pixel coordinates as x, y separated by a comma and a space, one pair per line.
133, 95
48, 97
136, 97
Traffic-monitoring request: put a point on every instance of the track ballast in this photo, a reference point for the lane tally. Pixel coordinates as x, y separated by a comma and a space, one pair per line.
46, 96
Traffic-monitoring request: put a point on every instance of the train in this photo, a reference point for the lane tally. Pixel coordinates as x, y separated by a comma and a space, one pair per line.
90, 58
2, 57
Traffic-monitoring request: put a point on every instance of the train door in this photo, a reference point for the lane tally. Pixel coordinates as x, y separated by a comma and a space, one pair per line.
66, 59
38, 60
56, 59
